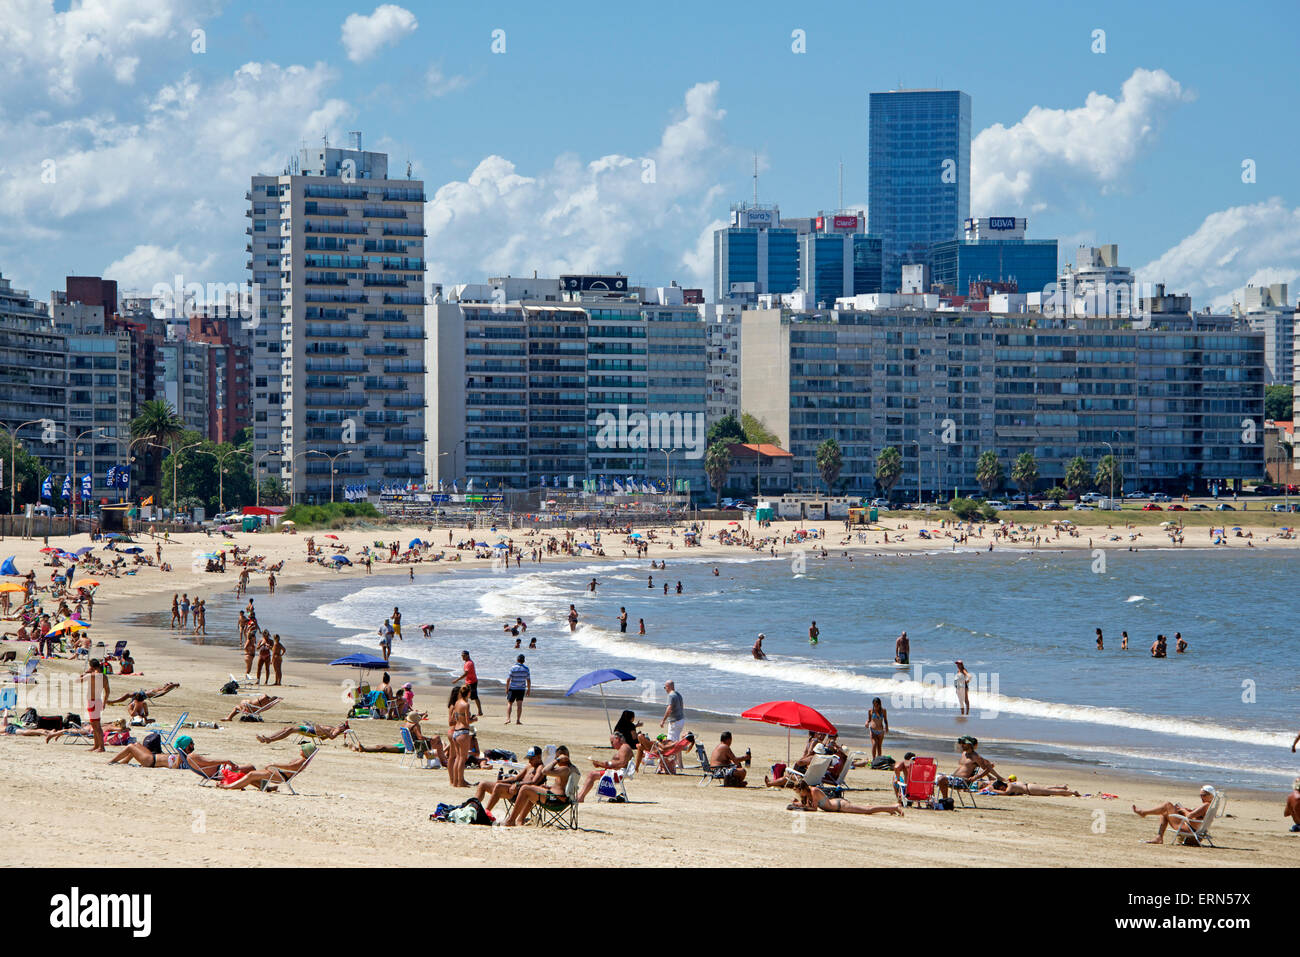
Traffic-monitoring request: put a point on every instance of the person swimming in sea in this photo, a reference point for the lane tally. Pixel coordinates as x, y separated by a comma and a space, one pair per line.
1180, 643
902, 649
814, 634
759, 653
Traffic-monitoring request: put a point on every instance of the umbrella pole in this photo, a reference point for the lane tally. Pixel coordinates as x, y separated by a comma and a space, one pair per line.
787, 747
606, 707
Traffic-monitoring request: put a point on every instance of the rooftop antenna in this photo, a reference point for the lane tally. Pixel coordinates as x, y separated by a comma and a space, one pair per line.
408, 167
356, 139
841, 182
325, 139
755, 177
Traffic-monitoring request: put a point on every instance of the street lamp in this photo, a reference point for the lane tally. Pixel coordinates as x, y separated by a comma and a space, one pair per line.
175, 466
130, 458
293, 472
917, 443
75, 453
1111, 503
221, 472
257, 471
333, 459
13, 462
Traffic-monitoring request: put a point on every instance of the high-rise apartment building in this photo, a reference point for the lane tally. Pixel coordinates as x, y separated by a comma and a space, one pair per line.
1266, 309
944, 386
528, 370
337, 249
33, 375
918, 174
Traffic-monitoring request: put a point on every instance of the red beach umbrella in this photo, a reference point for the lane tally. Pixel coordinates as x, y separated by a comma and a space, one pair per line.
790, 715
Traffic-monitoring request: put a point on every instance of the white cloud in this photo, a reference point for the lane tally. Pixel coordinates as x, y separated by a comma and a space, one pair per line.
144, 266
170, 179
1097, 143
613, 212
46, 54
1257, 244
439, 84
364, 36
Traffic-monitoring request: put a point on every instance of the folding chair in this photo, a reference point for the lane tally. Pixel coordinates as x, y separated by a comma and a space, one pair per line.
710, 773
814, 773
1200, 833
280, 776
409, 755
561, 814
919, 790
255, 712
169, 736
116, 653
612, 787
28, 675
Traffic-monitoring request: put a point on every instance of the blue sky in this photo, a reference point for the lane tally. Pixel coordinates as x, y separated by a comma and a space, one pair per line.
614, 136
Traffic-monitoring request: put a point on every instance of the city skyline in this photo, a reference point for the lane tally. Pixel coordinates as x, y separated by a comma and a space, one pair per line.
147, 143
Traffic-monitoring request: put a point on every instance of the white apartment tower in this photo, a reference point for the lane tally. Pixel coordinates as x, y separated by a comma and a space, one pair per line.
337, 249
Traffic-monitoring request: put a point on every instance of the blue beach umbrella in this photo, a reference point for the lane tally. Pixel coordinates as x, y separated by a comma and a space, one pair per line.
133, 550
361, 659
597, 679
414, 543
340, 560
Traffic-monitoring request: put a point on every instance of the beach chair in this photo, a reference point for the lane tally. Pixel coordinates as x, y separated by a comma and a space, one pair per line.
255, 712
116, 653
710, 773
169, 736
410, 757
920, 783
8, 699
612, 785
814, 774
1200, 835
279, 776
27, 676
963, 794
561, 814
205, 779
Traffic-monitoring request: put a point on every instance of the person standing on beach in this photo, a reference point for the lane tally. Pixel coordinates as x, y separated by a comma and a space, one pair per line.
814, 633
622, 620
185, 611
176, 610
877, 725
519, 684
397, 623
277, 657
97, 691
674, 717
386, 639
270, 583
470, 676
250, 651
961, 684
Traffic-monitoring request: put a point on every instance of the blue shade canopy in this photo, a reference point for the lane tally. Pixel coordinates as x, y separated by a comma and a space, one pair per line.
340, 560
414, 543
361, 660
594, 678
9, 568
133, 550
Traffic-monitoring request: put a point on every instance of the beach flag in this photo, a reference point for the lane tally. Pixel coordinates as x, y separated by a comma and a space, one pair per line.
86, 488
543, 481
148, 501
570, 481
67, 486
46, 487
111, 476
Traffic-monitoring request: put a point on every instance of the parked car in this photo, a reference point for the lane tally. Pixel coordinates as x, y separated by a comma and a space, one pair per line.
1159, 497
1282, 507
880, 503
1198, 507
1050, 506
1091, 497
1224, 507
1152, 507
1177, 508
1083, 508
996, 504
1135, 494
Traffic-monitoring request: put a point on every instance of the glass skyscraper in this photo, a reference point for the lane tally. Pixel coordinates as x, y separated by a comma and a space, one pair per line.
918, 185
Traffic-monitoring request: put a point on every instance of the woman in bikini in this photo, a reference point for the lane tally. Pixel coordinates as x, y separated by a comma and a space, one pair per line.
815, 799
277, 658
264, 657
877, 724
459, 723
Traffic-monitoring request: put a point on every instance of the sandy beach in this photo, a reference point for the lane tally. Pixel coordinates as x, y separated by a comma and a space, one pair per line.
73, 808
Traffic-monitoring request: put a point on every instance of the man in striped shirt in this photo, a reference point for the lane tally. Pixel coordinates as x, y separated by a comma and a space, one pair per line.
518, 685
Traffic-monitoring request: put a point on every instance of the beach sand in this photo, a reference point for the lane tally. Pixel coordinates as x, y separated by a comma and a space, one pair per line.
69, 807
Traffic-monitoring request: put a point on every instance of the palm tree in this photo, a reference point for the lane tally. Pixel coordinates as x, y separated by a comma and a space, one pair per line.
1110, 476
159, 423
830, 462
1078, 476
889, 468
717, 462
1024, 472
989, 472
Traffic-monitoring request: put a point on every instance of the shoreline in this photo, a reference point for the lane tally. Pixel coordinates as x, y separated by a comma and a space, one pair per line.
670, 821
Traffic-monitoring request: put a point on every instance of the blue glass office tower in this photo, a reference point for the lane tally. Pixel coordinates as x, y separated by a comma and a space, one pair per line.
1029, 263
918, 165
756, 253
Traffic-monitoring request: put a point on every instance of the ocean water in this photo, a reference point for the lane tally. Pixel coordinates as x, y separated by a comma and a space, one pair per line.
1023, 624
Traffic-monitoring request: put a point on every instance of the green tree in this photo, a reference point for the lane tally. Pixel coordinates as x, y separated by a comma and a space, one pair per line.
1055, 493
717, 462
830, 462
1278, 402
272, 491
1109, 470
30, 473
756, 431
989, 472
726, 429
889, 468
198, 477
1078, 476
1024, 472
159, 423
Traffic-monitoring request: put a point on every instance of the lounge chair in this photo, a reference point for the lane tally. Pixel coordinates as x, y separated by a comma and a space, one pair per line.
413, 753
169, 736
814, 774
255, 712
709, 773
116, 653
920, 783
206, 779
613, 784
279, 776
1200, 833
28, 675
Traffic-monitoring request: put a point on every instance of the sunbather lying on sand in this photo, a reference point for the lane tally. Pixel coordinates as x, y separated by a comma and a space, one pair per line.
311, 730
1013, 788
155, 693
815, 799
